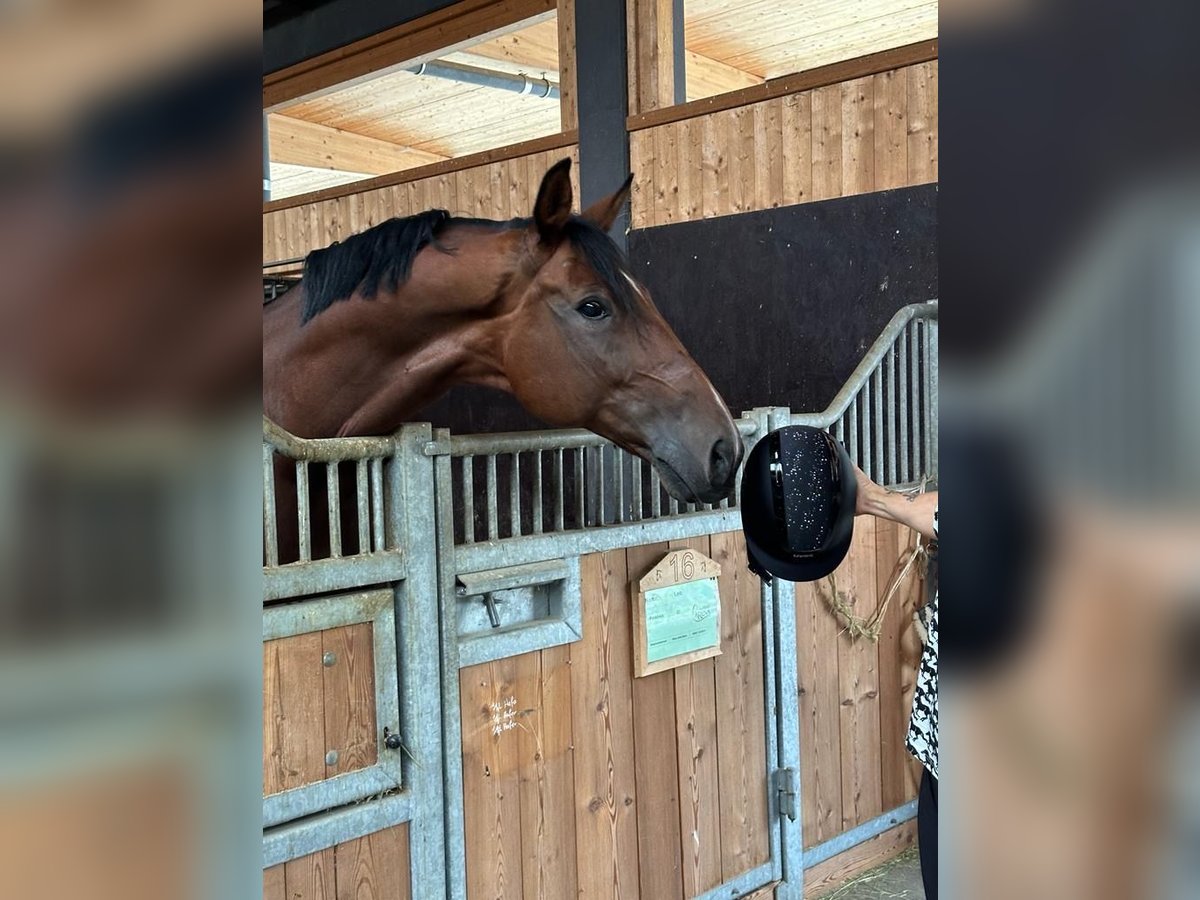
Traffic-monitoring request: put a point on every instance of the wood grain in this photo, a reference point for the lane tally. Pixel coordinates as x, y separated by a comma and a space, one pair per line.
696, 743
859, 67
827, 142
656, 766
897, 784
311, 877
375, 866
858, 136
858, 680
820, 731
349, 686
740, 712
293, 718
274, 883
922, 123
891, 129
825, 877
601, 698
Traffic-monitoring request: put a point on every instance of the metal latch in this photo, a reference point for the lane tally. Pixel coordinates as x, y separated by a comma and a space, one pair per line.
785, 784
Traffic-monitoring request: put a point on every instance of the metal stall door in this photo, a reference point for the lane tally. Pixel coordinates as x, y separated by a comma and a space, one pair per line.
500, 571
352, 750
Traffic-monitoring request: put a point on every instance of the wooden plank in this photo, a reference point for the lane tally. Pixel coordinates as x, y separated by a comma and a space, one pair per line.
828, 876
706, 76
491, 801
299, 142
274, 883
741, 723
641, 198
656, 766
293, 719
742, 174
568, 91
666, 175
822, 76
606, 835
651, 54
922, 123
712, 172
511, 151
858, 136
820, 732
891, 129
691, 169
375, 866
441, 32
311, 877
547, 790
897, 784
827, 142
768, 153
349, 686
699, 788
858, 681
797, 148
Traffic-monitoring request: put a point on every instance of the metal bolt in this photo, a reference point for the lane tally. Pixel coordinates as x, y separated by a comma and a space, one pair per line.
329, 659
331, 758
391, 740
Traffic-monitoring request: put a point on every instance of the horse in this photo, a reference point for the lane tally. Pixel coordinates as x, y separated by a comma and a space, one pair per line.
545, 308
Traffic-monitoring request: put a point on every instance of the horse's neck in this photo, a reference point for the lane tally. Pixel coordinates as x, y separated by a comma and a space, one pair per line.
385, 359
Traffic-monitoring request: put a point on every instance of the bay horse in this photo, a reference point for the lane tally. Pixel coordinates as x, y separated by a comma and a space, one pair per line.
546, 308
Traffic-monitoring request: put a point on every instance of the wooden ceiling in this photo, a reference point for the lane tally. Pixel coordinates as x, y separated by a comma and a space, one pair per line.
400, 120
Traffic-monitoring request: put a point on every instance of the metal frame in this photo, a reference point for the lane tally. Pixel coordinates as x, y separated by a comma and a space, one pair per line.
384, 775
886, 414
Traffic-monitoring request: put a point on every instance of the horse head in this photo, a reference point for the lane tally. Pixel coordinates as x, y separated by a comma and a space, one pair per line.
585, 346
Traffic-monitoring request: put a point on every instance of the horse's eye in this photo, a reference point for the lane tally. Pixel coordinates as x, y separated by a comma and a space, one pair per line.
592, 308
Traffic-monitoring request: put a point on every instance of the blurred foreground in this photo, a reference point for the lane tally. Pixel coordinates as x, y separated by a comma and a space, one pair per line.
1070, 270
129, 485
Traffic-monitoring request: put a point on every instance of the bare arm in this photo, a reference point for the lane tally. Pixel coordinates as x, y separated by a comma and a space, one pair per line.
914, 510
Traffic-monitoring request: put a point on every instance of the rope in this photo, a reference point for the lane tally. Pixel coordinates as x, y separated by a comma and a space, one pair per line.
842, 604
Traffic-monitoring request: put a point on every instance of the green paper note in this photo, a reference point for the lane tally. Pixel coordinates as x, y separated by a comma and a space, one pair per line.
681, 618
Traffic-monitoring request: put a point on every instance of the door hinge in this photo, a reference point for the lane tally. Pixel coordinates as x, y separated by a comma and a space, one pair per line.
785, 784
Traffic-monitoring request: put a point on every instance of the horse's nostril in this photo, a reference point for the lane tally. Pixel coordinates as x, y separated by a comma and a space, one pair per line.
721, 461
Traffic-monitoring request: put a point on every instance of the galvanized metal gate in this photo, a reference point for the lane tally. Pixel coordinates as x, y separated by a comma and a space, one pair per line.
471, 544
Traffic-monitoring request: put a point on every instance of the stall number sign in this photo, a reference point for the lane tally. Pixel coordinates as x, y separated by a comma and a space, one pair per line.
677, 616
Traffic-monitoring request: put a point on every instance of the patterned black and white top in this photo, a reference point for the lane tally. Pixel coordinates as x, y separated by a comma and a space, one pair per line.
923, 726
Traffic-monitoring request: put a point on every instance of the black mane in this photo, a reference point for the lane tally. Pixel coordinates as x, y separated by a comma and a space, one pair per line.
382, 257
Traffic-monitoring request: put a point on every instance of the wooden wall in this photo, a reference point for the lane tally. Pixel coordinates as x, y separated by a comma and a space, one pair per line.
867, 134
495, 190
581, 780
376, 865
855, 696
310, 708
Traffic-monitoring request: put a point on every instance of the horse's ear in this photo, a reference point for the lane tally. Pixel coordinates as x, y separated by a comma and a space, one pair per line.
604, 212
552, 209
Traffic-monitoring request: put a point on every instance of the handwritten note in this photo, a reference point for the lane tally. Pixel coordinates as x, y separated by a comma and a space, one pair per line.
681, 618
504, 715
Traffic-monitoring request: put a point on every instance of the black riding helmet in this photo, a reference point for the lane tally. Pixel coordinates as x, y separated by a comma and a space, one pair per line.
798, 497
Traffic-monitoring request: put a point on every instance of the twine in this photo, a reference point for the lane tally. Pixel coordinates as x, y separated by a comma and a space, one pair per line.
842, 604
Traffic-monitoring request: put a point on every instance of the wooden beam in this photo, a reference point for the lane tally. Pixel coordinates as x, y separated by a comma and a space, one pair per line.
568, 90
707, 77
534, 48
454, 28
301, 143
651, 37
526, 148
835, 73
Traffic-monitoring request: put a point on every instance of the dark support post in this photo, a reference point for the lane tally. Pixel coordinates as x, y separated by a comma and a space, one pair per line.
266, 142
680, 54
603, 103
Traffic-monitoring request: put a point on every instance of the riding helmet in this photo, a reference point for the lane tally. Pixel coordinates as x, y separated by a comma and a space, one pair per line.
798, 498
